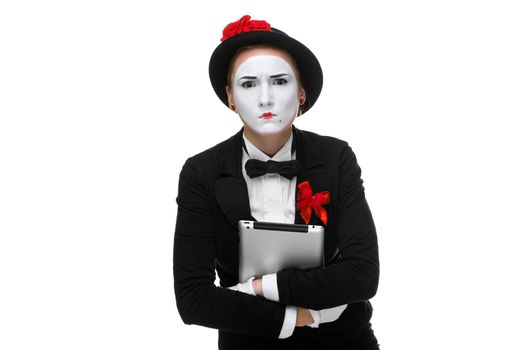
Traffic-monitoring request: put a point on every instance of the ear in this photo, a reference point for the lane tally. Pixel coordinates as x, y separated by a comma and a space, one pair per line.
231, 102
302, 95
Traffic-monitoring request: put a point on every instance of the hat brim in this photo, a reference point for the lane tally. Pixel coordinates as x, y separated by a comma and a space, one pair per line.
308, 65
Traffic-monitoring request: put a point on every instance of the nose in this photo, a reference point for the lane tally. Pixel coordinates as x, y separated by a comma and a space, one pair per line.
265, 98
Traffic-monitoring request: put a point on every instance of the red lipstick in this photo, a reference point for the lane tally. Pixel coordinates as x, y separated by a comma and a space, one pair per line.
267, 115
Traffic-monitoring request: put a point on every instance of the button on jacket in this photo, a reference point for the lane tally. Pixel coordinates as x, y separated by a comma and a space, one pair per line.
213, 196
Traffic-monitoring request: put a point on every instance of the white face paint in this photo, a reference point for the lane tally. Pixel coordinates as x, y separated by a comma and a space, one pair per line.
266, 84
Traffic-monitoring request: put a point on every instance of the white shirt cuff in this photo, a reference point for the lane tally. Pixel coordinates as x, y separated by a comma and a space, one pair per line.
269, 287
290, 318
316, 315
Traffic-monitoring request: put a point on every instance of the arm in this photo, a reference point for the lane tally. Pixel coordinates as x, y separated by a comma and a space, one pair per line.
267, 287
356, 276
199, 300
295, 316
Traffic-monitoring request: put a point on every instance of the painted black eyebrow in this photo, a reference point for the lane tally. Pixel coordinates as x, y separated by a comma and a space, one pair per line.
278, 75
273, 76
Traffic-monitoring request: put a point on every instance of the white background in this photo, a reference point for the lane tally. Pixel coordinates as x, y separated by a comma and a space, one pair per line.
101, 102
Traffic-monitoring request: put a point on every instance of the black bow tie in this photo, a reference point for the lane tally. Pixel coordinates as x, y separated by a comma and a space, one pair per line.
288, 169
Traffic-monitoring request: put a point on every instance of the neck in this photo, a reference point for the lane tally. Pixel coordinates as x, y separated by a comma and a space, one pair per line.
270, 144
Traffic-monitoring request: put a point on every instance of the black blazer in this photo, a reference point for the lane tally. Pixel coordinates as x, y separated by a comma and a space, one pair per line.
212, 197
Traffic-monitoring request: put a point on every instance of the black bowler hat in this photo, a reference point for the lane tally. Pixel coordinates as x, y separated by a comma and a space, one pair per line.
246, 32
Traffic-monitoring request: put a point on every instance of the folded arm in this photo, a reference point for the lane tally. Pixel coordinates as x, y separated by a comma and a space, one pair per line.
355, 277
199, 300
267, 287
295, 316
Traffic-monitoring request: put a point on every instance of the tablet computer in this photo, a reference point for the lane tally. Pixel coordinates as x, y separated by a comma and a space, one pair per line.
269, 247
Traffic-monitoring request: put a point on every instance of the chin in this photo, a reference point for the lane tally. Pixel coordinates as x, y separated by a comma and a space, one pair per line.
269, 129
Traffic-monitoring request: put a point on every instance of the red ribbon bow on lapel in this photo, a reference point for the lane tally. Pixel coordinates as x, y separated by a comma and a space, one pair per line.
305, 202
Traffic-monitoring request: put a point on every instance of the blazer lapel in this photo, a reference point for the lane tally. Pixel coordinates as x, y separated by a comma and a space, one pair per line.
311, 170
231, 190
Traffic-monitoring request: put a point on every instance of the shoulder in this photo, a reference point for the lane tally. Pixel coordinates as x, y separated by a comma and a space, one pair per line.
328, 144
208, 155
207, 160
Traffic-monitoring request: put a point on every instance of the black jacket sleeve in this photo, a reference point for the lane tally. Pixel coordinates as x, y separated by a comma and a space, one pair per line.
355, 277
199, 301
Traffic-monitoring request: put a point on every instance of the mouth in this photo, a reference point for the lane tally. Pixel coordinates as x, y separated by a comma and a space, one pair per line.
267, 115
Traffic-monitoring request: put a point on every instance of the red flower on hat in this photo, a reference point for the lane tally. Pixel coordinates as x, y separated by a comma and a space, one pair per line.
243, 25
306, 200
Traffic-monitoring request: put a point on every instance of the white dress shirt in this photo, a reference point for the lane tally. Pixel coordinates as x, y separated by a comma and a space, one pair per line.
272, 198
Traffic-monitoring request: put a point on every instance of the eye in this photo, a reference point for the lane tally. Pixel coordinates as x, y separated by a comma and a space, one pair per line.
248, 84
280, 81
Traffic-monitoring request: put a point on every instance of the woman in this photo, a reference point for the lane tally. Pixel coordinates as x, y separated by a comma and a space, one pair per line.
268, 79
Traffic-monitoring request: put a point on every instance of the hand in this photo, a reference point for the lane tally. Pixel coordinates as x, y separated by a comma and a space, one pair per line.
326, 315
257, 286
304, 317
245, 287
